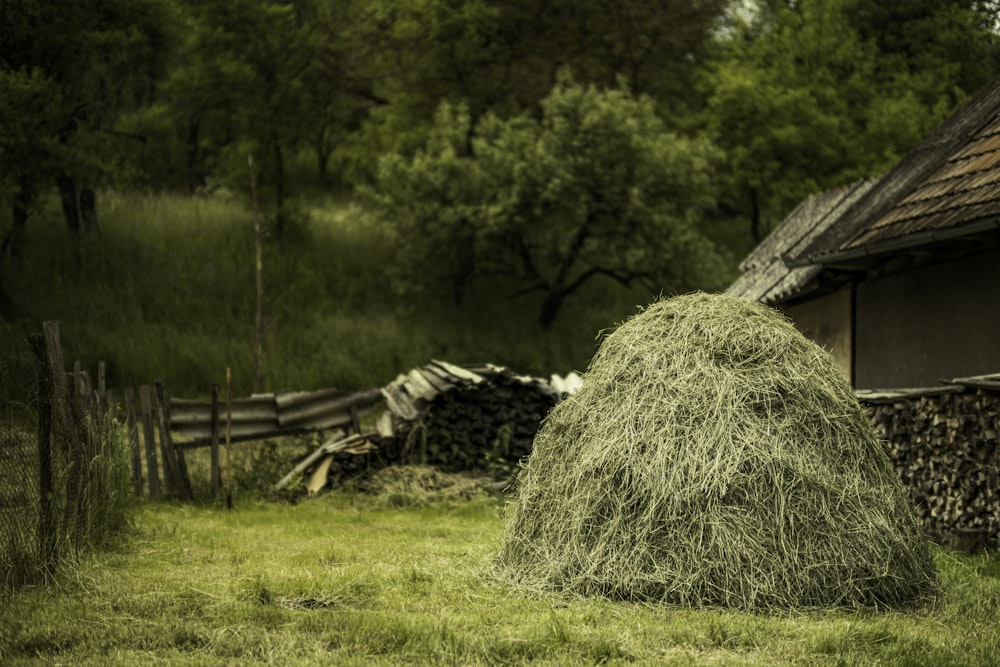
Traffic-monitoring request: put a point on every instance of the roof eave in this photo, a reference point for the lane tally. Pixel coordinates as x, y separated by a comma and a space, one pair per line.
849, 257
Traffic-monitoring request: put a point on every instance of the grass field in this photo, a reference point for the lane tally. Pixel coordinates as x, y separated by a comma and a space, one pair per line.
167, 291
355, 579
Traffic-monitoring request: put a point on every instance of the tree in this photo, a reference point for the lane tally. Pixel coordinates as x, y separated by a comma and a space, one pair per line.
597, 186
503, 57
68, 72
267, 78
815, 94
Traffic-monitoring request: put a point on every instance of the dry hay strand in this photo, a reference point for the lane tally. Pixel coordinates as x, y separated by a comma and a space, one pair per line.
416, 485
715, 457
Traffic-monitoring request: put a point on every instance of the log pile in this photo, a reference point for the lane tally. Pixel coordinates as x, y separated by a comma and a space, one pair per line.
943, 444
474, 418
455, 418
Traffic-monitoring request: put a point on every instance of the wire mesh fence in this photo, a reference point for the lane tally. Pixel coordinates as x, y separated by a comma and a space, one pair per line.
64, 463
19, 474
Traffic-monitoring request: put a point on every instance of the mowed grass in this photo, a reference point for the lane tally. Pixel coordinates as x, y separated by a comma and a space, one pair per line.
346, 579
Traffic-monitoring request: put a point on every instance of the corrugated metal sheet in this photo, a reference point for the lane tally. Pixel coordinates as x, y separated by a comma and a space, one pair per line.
267, 415
410, 394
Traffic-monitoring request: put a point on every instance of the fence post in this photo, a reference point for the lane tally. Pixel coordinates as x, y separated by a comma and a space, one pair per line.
133, 437
46, 529
173, 456
216, 473
152, 469
66, 433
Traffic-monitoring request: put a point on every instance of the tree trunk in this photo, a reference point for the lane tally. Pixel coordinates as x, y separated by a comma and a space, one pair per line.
194, 175
279, 191
551, 307
88, 210
79, 205
755, 230
13, 242
324, 149
70, 204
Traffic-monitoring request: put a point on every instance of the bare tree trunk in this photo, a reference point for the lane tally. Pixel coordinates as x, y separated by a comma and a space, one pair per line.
550, 308
70, 204
13, 242
194, 175
755, 225
79, 205
279, 191
258, 343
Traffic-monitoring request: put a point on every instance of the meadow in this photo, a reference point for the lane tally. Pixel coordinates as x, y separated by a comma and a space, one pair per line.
166, 290
359, 579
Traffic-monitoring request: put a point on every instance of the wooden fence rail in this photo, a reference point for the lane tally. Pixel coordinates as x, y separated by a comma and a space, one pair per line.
168, 426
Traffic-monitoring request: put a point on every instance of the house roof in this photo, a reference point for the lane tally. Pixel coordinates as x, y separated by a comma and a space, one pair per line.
965, 188
947, 188
765, 277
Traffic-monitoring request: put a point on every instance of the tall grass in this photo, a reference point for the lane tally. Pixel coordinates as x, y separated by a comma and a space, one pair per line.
167, 290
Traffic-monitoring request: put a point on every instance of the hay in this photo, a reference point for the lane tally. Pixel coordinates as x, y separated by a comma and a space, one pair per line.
417, 485
715, 457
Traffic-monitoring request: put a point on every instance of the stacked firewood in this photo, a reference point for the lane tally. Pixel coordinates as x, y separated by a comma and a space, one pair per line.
473, 418
944, 448
456, 418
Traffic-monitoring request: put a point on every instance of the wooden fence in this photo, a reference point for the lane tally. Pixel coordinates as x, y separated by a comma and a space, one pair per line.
161, 428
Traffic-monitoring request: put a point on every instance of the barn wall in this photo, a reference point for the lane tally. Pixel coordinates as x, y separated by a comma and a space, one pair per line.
827, 321
940, 321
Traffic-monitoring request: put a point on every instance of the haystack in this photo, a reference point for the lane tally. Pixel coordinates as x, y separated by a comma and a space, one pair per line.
715, 457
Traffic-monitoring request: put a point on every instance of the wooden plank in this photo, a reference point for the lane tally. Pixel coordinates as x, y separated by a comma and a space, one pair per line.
152, 469
46, 520
133, 433
336, 445
102, 389
319, 477
173, 456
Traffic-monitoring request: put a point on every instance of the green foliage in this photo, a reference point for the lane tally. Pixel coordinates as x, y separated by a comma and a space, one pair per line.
504, 57
167, 291
67, 74
597, 187
813, 95
261, 79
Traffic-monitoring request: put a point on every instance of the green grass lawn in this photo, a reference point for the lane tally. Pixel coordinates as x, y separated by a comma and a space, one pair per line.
348, 579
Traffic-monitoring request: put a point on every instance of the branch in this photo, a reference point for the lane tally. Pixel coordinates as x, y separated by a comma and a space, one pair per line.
141, 138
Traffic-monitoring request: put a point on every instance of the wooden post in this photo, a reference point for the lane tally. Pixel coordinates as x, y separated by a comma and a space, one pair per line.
102, 370
133, 436
173, 456
53, 353
66, 432
152, 469
258, 235
216, 474
46, 522
229, 428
